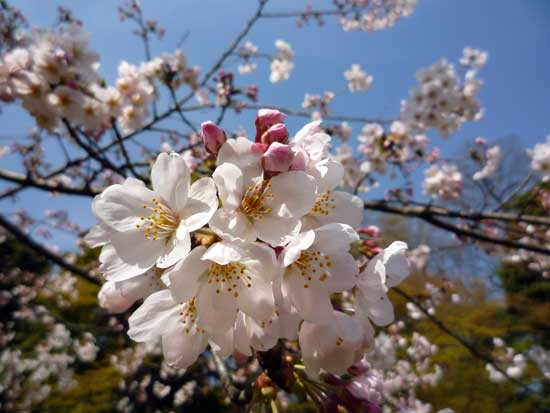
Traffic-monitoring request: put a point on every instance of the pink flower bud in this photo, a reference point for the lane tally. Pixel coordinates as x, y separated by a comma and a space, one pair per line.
276, 133
265, 119
277, 158
481, 141
213, 137
371, 230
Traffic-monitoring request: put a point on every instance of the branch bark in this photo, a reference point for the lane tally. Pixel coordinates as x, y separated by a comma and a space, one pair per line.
39, 248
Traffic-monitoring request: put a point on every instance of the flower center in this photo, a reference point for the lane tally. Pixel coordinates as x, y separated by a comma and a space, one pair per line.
228, 276
313, 265
254, 199
160, 224
323, 204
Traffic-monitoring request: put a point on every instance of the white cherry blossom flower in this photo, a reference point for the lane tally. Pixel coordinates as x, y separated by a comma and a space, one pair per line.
318, 263
226, 278
335, 346
387, 269
151, 227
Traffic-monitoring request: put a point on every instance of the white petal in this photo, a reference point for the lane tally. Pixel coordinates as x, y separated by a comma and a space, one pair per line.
299, 243
276, 230
380, 311
328, 174
232, 226
170, 179
185, 275
256, 301
260, 260
121, 206
293, 193
342, 273
334, 237
158, 315
98, 236
176, 248
201, 204
223, 253
345, 208
128, 255
397, 265
242, 342
181, 349
229, 181
239, 152
215, 310
313, 304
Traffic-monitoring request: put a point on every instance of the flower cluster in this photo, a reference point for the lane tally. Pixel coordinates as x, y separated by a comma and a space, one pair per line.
367, 15
381, 148
443, 182
54, 75
508, 360
540, 159
248, 256
442, 100
493, 157
282, 63
357, 79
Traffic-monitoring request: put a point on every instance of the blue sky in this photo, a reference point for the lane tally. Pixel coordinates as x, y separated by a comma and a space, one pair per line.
515, 33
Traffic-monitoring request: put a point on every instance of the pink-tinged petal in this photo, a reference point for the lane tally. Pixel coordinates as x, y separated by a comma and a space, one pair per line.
184, 276
170, 179
158, 315
176, 248
342, 274
380, 310
242, 342
201, 204
232, 226
257, 300
229, 181
213, 137
277, 158
182, 348
343, 207
240, 153
216, 308
293, 194
313, 304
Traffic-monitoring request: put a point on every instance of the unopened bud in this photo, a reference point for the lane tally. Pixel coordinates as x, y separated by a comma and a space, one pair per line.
276, 133
277, 158
213, 137
265, 119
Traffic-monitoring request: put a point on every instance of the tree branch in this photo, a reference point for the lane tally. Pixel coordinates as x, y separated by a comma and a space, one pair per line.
28, 241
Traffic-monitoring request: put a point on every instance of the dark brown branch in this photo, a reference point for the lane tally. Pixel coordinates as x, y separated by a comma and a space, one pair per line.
44, 184
428, 214
28, 241
123, 149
